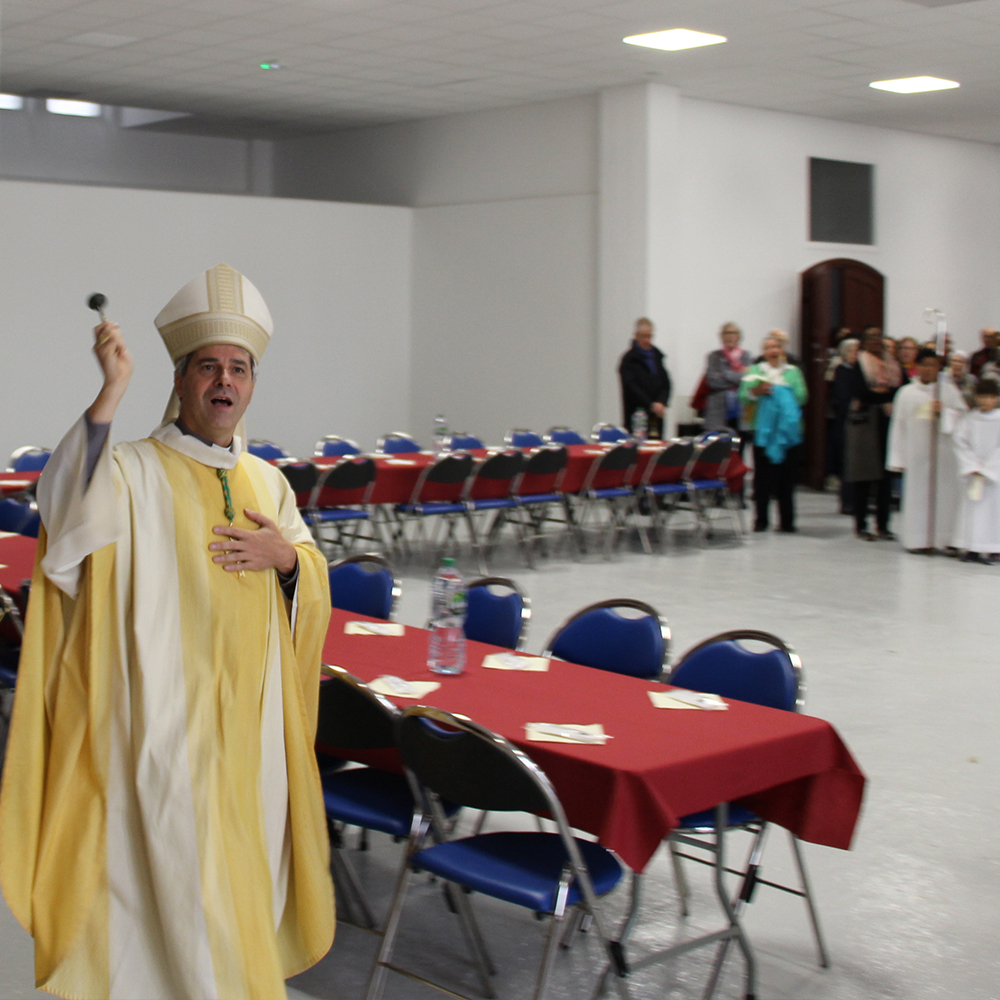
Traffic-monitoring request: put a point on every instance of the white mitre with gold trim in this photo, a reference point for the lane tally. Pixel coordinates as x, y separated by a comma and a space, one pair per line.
218, 307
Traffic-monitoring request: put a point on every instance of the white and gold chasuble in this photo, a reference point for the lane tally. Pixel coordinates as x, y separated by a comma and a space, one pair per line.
162, 832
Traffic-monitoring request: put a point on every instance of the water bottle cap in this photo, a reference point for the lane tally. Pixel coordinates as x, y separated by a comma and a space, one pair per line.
448, 561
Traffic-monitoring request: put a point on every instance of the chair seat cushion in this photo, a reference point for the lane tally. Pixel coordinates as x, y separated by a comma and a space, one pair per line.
439, 507
705, 820
365, 796
611, 493
539, 498
334, 514
520, 868
8, 677
495, 503
662, 488
708, 484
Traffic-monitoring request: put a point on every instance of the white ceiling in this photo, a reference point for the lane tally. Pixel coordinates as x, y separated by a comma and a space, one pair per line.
350, 62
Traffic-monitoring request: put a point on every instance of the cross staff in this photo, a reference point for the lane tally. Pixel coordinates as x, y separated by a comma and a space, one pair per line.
936, 317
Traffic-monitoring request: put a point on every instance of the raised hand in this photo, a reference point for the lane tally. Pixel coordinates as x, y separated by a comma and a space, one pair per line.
116, 364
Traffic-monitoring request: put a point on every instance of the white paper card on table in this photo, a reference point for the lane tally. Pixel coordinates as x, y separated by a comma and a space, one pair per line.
395, 687
548, 732
8, 534
511, 661
373, 628
678, 698
400, 461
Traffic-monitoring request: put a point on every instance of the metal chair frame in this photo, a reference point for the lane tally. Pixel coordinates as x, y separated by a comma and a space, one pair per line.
510, 438
498, 467
24, 451
502, 581
692, 837
663, 497
613, 604
618, 496
428, 827
351, 447
374, 557
265, 444
715, 487
463, 441
410, 444
531, 513
349, 474
560, 434
619, 433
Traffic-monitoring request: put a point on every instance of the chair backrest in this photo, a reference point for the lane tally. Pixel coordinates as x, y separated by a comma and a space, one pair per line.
465, 442
600, 636
564, 435
302, 477
444, 480
722, 665
334, 445
29, 458
266, 450
467, 764
670, 462
395, 443
494, 476
608, 433
710, 458
364, 584
497, 612
613, 468
544, 469
521, 437
19, 518
351, 715
346, 482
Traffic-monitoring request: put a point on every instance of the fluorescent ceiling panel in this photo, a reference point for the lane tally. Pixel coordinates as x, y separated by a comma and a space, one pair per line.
81, 109
674, 39
11, 102
914, 84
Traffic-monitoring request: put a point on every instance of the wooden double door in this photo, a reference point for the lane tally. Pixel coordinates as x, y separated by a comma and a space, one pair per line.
835, 294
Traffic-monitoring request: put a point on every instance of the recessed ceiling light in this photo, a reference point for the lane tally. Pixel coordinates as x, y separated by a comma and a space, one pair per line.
11, 102
914, 84
675, 39
82, 109
270, 64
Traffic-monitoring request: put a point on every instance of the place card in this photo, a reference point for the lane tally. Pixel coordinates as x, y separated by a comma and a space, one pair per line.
679, 698
547, 732
373, 628
391, 686
511, 661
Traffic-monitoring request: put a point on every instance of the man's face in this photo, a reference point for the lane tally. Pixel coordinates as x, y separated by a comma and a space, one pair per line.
928, 370
644, 336
215, 391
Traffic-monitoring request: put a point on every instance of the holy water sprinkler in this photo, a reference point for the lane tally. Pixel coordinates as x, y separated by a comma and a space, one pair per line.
97, 302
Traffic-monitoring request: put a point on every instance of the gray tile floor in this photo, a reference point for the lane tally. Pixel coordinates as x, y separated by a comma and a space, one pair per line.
900, 653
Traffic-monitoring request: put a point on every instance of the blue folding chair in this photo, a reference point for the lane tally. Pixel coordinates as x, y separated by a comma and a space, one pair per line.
772, 677
19, 518
521, 437
438, 494
334, 445
489, 492
465, 442
29, 458
705, 479
451, 757
609, 433
607, 485
396, 443
663, 487
538, 489
497, 612
365, 585
267, 450
564, 435
338, 503
600, 636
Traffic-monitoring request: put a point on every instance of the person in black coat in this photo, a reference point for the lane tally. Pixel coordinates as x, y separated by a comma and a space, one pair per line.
645, 382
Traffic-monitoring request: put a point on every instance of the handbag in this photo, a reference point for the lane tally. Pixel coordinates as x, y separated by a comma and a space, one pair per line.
700, 398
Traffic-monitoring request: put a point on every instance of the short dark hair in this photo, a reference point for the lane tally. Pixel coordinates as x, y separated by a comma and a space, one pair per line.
987, 387
926, 352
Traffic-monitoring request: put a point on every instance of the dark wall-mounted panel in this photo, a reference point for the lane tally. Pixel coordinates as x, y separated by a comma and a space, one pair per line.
841, 201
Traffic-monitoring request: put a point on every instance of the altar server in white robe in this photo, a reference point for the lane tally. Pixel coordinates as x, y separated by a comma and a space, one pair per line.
162, 832
977, 447
909, 452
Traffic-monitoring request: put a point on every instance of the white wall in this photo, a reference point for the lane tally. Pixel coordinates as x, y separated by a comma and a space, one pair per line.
336, 279
743, 226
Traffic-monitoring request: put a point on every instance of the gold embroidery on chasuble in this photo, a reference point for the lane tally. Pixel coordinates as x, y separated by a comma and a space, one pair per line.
229, 637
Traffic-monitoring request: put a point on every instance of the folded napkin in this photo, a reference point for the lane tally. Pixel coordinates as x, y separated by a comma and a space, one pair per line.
547, 732
511, 661
373, 628
395, 687
679, 698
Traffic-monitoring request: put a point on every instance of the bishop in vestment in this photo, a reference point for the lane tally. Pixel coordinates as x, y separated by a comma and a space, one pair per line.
924, 407
162, 833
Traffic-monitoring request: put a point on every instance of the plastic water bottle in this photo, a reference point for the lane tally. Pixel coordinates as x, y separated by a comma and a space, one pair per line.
640, 424
440, 434
446, 643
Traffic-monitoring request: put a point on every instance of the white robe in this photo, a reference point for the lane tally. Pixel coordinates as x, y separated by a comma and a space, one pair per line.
909, 452
977, 447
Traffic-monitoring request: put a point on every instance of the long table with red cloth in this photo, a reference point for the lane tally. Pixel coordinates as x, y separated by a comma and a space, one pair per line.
660, 764
12, 483
398, 474
17, 560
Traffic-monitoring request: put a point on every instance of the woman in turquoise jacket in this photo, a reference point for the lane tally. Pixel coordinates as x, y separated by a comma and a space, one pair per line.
772, 393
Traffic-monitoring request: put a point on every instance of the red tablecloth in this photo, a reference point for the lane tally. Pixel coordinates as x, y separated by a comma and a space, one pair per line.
661, 764
398, 474
12, 483
17, 561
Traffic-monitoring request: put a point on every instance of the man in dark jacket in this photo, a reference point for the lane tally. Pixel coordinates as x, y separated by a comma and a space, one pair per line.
645, 382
